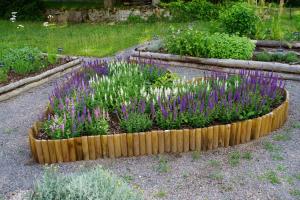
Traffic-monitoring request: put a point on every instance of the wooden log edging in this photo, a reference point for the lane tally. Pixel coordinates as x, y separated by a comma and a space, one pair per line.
45, 74
155, 142
224, 63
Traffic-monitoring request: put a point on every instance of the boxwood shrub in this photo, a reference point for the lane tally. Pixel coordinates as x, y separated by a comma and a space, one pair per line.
239, 19
218, 45
93, 184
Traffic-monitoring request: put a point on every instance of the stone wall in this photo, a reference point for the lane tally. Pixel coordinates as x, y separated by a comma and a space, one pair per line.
105, 15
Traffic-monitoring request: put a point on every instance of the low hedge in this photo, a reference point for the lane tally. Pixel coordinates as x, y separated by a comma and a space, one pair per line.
93, 184
218, 45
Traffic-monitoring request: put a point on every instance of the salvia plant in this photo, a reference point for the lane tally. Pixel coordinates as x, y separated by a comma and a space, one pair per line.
141, 96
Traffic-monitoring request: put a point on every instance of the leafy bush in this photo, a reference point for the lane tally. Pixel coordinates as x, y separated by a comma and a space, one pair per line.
24, 60
218, 45
239, 19
291, 57
27, 9
94, 184
136, 122
193, 10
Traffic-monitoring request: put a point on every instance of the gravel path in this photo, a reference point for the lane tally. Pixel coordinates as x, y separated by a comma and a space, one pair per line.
180, 176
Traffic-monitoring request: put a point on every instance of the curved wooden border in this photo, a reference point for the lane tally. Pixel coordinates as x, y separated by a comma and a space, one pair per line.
155, 142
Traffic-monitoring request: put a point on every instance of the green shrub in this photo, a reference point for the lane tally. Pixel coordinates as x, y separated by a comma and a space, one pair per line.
263, 56
218, 45
24, 60
27, 9
291, 57
239, 19
136, 122
193, 10
93, 184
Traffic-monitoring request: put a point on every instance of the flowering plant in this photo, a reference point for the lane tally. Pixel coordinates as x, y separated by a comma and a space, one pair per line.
136, 97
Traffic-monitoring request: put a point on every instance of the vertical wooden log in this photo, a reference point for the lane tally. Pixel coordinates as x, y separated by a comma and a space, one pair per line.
32, 144
192, 139
154, 142
161, 142
270, 123
210, 137
249, 130
136, 144
98, 147
263, 126
233, 131
72, 149
58, 151
167, 135
92, 150
238, 133
257, 128
173, 141
215, 136
198, 139
78, 146
130, 144
186, 140
104, 146
179, 140
227, 135
39, 151
52, 152
117, 144
85, 148
148, 143
65, 150
142, 137
243, 132
124, 145
111, 146
254, 124
45, 152
204, 139
221, 135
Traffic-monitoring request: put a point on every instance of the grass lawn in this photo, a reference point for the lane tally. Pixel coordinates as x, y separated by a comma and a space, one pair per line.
84, 39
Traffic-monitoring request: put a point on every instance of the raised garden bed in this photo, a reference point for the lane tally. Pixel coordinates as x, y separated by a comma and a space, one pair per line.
217, 111
155, 142
17, 84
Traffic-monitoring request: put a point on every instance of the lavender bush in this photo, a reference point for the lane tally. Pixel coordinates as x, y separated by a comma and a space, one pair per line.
138, 97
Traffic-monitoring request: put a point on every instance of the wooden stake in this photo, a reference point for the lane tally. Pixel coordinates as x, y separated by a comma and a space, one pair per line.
142, 144
167, 139
136, 144
198, 139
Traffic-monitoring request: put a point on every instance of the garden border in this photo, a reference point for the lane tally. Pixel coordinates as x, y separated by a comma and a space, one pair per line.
15, 88
286, 71
155, 142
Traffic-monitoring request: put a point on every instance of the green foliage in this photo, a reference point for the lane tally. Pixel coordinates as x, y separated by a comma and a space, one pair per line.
93, 184
163, 166
134, 19
27, 9
263, 56
192, 10
97, 127
289, 57
272, 177
24, 60
239, 19
200, 44
136, 122
234, 158
3, 75
247, 155
166, 80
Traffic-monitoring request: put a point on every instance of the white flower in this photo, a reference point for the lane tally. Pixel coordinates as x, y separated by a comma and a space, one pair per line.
13, 19
46, 24
50, 16
14, 13
20, 26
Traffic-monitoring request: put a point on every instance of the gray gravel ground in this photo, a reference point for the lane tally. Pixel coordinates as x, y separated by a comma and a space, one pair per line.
182, 176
